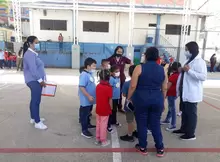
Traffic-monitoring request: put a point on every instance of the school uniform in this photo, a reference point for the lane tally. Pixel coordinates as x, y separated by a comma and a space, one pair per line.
34, 74
115, 83
148, 101
1, 59
103, 109
87, 81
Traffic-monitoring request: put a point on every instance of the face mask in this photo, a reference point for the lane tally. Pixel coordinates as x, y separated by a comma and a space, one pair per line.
37, 47
92, 71
117, 74
188, 54
118, 55
109, 67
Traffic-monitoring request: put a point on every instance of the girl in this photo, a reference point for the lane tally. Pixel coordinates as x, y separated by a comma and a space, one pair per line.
103, 107
171, 96
115, 83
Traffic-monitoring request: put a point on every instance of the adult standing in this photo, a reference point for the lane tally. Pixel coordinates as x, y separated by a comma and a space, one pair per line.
147, 92
34, 75
213, 61
1, 58
20, 60
60, 39
190, 90
118, 59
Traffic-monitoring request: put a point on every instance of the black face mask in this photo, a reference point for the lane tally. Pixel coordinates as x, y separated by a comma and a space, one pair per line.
118, 55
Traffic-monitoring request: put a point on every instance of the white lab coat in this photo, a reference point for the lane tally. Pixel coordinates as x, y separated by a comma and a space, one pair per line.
193, 81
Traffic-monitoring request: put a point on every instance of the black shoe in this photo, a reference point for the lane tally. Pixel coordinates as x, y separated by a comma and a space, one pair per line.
188, 138
139, 149
127, 138
90, 126
110, 130
87, 134
160, 153
135, 134
178, 132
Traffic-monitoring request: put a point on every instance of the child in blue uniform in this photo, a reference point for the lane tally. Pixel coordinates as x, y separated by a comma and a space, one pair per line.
87, 89
115, 83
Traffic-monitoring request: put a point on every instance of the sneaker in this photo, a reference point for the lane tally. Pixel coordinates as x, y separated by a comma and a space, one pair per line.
40, 125
106, 143
127, 138
179, 131
188, 138
149, 132
90, 126
98, 142
165, 122
87, 134
171, 128
139, 149
160, 153
135, 134
110, 130
32, 121
117, 125
179, 113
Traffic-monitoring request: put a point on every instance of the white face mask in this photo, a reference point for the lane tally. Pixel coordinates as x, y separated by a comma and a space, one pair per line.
109, 66
92, 71
117, 74
188, 54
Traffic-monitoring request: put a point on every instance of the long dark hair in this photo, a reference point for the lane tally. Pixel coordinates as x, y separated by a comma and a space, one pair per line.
116, 49
26, 45
193, 49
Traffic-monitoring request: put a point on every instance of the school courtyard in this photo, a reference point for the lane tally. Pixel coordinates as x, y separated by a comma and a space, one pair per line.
62, 142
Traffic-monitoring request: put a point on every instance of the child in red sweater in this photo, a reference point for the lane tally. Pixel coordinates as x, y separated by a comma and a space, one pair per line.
103, 107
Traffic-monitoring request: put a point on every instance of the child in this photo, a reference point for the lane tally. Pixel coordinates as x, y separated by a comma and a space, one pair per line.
103, 107
115, 83
171, 97
87, 90
129, 114
104, 65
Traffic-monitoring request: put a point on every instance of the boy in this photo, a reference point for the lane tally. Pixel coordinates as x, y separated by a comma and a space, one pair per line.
115, 83
87, 88
103, 107
129, 114
104, 65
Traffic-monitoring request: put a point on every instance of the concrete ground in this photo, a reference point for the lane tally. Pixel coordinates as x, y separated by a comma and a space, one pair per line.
62, 142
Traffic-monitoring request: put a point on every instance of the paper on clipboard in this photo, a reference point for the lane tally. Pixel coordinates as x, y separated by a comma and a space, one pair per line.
49, 90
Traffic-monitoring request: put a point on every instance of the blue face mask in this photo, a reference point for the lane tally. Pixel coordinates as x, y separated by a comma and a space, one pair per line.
37, 47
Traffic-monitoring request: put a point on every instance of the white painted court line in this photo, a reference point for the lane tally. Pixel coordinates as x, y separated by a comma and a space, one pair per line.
214, 94
212, 98
115, 144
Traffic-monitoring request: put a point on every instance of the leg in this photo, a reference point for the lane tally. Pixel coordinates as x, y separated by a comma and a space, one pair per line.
172, 108
103, 128
98, 127
184, 121
90, 115
114, 111
192, 118
155, 117
141, 119
36, 90
120, 100
84, 113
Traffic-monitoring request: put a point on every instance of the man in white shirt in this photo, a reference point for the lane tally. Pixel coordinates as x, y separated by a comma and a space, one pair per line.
190, 90
1, 58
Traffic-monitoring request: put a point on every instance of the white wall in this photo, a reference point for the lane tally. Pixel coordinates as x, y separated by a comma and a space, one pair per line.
54, 15
118, 26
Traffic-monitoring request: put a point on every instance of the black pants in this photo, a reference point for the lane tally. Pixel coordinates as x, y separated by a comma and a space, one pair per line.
189, 118
1, 64
113, 117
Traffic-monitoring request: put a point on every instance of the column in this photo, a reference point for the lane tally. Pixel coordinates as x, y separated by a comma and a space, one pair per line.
157, 35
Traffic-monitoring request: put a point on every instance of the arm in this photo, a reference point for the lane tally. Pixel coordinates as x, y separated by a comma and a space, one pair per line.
110, 97
84, 91
31, 62
83, 81
128, 61
169, 84
134, 80
164, 85
200, 72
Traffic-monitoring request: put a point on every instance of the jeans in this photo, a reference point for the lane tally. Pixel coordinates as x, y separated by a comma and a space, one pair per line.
113, 116
101, 126
85, 112
189, 118
171, 114
1, 63
36, 90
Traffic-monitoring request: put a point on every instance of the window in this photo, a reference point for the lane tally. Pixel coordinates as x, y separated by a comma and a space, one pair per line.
95, 26
53, 25
152, 25
175, 29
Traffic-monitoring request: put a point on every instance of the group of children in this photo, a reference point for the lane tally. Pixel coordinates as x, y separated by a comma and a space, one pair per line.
106, 96
9, 60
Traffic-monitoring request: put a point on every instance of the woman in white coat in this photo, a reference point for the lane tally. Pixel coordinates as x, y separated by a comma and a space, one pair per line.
190, 90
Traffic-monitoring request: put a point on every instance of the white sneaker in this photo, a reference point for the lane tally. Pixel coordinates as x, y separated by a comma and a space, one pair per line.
149, 132
106, 143
179, 113
40, 125
33, 122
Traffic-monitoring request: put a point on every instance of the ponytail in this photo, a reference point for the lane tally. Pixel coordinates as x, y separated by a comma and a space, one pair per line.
25, 47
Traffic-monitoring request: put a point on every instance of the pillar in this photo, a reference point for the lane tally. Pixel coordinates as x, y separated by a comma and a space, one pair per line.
157, 34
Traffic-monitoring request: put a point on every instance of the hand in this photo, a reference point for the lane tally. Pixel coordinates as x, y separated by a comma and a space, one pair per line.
91, 99
186, 68
180, 70
43, 84
129, 100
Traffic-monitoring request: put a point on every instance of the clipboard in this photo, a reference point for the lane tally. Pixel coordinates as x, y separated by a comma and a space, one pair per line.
49, 90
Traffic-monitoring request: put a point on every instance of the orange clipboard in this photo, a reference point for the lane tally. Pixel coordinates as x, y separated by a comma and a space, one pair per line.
49, 90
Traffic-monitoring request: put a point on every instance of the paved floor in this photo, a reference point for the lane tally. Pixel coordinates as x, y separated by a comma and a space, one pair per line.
20, 142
